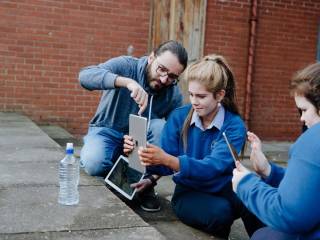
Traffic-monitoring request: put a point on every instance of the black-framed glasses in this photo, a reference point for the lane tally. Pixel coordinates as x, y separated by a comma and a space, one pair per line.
163, 72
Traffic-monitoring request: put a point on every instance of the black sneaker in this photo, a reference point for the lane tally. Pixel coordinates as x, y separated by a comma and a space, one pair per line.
149, 201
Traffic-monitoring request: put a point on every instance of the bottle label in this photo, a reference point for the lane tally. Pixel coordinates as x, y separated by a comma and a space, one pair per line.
69, 151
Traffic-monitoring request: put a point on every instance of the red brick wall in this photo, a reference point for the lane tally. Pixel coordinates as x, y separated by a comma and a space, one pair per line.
227, 33
43, 44
286, 41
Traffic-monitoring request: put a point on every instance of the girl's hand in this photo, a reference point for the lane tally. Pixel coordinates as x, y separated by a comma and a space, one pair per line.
128, 144
152, 155
238, 173
260, 163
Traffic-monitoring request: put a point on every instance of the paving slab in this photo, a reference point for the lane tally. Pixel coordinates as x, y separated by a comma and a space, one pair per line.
32, 173
61, 136
12, 117
24, 153
36, 209
144, 233
29, 188
177, 229
275, 151
32, 141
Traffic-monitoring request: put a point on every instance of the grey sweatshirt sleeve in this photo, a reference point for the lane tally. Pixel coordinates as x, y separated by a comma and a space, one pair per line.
103, 76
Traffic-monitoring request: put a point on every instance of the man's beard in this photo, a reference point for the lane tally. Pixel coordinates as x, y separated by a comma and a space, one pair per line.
154, 83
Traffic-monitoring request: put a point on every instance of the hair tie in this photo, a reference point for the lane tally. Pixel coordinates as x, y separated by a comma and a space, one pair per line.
211, 59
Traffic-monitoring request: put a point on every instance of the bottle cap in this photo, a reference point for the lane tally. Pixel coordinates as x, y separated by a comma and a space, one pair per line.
69, 146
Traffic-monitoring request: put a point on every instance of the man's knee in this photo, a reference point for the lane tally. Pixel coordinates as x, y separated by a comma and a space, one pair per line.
93, 169
92, 156
91, 162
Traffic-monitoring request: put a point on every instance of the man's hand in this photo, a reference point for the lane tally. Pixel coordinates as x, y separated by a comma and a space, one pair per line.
128, 145
139, 95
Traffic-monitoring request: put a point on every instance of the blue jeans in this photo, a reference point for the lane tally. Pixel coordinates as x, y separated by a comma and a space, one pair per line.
102, 147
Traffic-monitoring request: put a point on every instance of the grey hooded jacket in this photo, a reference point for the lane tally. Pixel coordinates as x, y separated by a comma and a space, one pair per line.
115, 103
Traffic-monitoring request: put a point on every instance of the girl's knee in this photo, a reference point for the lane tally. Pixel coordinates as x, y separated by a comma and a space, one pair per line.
215, 220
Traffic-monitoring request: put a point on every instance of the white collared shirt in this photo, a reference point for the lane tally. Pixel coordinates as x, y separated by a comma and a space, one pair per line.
216, 122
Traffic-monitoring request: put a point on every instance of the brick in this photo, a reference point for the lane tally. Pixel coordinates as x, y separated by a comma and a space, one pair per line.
49, 41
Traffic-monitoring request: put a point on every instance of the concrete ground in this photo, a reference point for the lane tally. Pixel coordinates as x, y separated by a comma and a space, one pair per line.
29, 192
165, 221
29, 189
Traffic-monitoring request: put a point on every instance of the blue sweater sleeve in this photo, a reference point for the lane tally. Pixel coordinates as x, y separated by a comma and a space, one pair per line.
103, 76
293, 207
276, 175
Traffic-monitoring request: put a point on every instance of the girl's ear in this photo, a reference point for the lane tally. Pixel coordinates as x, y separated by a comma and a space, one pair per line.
151, 58
220, 95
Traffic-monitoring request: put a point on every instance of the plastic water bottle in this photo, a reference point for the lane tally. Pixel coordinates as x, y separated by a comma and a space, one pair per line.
69, 178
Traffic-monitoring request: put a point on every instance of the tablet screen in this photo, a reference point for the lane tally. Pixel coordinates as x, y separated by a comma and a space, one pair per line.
121, 176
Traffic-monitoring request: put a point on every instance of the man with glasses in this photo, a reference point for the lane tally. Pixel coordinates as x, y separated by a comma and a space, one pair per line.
131, 85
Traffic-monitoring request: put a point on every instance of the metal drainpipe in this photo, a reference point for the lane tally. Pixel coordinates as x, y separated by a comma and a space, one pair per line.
251, 54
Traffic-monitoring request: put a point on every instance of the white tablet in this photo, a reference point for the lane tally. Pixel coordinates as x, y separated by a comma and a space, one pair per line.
138, 131
121, 176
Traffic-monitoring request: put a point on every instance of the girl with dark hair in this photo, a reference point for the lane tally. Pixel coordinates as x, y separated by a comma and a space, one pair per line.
195, 152
287, 200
